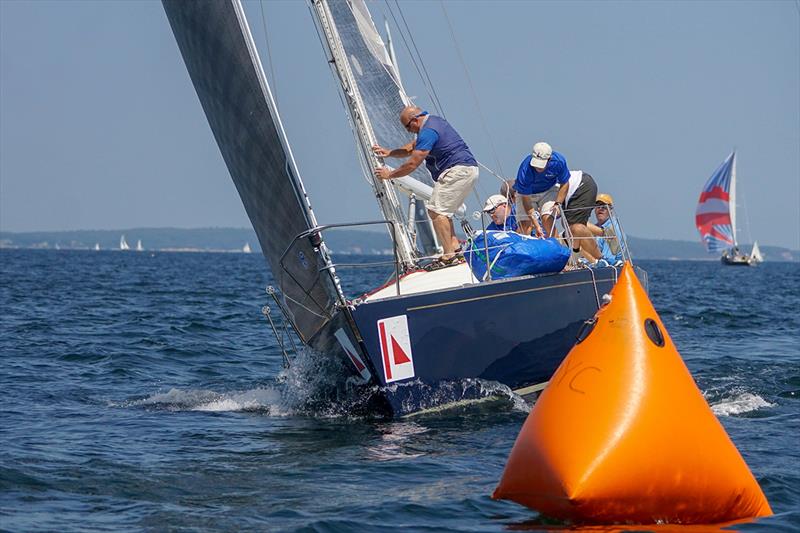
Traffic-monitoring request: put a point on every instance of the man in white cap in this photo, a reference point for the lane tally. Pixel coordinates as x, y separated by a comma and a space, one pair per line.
502, 213
539, 176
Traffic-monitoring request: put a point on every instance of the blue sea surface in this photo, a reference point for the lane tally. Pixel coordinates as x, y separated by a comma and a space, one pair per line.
146, 392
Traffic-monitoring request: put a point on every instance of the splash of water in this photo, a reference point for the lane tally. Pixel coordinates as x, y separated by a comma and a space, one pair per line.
739, 403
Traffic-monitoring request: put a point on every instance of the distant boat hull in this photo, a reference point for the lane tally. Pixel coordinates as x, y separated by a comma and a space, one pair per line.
738, 260
515, 332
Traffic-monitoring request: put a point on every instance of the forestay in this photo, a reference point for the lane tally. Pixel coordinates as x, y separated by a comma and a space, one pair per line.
222, 61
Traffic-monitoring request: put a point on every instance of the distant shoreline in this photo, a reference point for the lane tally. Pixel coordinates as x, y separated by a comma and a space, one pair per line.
341, 242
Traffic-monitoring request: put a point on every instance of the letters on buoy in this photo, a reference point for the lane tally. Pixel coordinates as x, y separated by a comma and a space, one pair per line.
622, 434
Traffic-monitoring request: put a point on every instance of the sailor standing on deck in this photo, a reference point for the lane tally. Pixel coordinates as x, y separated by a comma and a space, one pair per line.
450, 162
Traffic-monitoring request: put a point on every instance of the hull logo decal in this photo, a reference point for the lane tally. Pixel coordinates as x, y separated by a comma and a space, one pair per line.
352, 353
398, 361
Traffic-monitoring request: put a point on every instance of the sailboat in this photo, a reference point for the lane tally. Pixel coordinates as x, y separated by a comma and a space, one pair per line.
97, 247
123, 244
139, 247
246, 248
716, 217
426, 337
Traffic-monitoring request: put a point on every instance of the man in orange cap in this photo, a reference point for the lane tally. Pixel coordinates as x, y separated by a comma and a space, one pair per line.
606, 230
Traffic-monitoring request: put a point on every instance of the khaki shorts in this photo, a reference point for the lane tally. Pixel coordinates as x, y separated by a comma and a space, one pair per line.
536, 201
452, 189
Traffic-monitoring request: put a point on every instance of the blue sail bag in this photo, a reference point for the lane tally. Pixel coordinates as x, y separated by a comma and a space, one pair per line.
512, 254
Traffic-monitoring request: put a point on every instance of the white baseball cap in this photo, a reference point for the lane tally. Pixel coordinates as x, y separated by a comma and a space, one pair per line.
540, 155
493, 201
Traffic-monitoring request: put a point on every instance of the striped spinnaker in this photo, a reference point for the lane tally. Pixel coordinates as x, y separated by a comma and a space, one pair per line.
713, 215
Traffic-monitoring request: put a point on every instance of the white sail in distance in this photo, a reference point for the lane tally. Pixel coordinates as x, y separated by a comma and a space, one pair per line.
755, 255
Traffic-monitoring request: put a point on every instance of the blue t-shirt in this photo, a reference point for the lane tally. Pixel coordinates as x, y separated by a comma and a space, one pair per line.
444, 145
604, 242
426, 138
531, 182
511, 222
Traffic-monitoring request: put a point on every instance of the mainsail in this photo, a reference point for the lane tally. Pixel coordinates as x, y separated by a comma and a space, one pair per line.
716, 209
380, 90
222, 61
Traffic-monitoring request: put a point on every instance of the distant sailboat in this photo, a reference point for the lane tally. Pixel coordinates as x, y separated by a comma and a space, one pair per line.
246, 248
139, 247
716, 216
97, 247
755, 254
123, 244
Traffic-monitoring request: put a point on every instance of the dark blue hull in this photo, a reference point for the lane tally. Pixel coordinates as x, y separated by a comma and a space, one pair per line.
515, 332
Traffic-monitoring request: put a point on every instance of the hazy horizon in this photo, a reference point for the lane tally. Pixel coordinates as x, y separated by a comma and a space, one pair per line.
100, 126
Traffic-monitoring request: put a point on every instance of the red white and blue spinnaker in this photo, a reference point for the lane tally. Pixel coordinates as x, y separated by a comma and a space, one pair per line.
716, 209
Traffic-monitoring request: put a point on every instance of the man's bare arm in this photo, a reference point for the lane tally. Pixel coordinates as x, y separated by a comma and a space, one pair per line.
414, 160
402, 152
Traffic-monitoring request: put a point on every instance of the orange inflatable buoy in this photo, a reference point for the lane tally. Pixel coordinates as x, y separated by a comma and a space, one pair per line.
622, 434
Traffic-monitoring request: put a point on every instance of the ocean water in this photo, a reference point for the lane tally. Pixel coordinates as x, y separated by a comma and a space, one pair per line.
145, 392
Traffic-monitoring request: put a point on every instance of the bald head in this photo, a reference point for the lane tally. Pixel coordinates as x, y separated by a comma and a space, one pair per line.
410, 118
408, 112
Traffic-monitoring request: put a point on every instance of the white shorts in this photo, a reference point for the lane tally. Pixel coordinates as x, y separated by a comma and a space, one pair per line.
452, 188
536, 201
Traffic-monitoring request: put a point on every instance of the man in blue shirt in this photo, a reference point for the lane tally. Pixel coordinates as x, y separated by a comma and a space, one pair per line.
503, 215
538, 178
450, 162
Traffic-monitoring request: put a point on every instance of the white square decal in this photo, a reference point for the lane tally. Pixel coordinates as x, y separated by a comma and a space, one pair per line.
398, 362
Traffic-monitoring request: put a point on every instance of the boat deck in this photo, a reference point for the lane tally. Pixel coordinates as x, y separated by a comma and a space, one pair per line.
424, 281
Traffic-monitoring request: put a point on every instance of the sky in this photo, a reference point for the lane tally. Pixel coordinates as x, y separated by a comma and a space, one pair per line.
100, 127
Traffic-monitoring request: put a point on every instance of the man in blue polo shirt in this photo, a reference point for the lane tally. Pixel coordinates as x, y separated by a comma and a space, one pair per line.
450, 162
538, 180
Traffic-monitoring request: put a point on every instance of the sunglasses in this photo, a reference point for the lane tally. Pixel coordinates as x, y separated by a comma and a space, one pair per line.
415, 117
492, 210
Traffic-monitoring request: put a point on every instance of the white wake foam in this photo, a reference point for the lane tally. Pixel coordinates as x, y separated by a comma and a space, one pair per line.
259, 399
740, 403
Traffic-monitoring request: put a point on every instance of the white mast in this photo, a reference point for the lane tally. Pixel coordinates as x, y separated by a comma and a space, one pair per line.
732, 200
385, 194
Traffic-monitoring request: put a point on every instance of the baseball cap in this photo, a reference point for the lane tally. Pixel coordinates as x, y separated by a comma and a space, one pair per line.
604, 198
493, 201
541, 155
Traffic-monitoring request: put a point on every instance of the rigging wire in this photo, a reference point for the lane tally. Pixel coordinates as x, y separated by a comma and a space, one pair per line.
421, 62
269, 52
472, 88
425, 81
